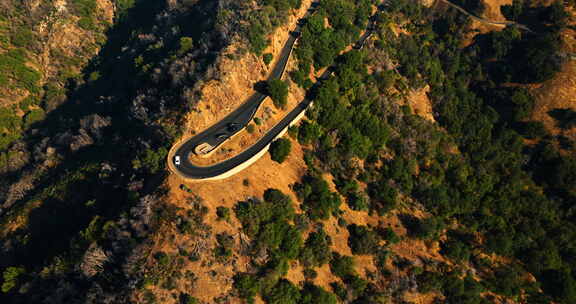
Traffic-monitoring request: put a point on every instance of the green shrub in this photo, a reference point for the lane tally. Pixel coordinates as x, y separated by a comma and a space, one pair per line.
223, 213
316, 250
312, 294
186, 44
319, 201
389, 235
33, 116
383, 196
280, 203
224, 249
87, 23
152, 160
256, 34
533, 129
278, 91
308, 132
456, 250
188, 299
310, 274
13, 66
23, 37
85, 8
123, 6
94, 76
284, 292
362, 240
339, 290
12, 276
28, 102
247, 285
356, 284
162, 258
358, 201
267, 58
280, 149
293, 131
267, 222
342, 266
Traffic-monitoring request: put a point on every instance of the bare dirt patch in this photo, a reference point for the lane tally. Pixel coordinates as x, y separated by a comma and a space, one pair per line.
559, 92
420, 103
492, 11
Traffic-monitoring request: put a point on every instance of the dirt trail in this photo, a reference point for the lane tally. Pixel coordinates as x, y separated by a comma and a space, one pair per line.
486, 21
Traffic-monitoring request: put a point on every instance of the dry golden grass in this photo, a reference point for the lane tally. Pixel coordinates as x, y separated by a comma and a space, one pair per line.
559, 92
262, 175
421, 104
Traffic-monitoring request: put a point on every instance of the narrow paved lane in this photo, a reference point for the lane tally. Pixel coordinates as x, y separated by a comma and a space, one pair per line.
243, 115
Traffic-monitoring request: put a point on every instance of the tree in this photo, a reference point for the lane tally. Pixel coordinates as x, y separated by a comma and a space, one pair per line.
280, 149
312, 294
23, 37
358, 201
153, 160
186, 44
342, 266
319, 201
278, 91
284, 292
308, 132
362, 240
246, 285
188, 299
561, 284
11, 278
532, 129
256, 34
390, 236
281, 205
33, 116
316, 251
223, 213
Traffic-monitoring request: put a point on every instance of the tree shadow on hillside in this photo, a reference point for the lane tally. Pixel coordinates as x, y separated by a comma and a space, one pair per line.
94, 179
565, 118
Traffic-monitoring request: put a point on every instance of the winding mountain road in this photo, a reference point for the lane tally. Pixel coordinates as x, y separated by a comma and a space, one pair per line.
221, 131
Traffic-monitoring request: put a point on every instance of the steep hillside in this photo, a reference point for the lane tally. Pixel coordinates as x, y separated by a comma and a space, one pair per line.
558, 95
43, 47
418, 175
80, 203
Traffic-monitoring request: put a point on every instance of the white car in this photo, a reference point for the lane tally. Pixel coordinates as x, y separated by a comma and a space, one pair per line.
177, 160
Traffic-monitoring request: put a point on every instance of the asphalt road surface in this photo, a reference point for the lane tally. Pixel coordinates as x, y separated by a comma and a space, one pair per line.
234, 122
219, 132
